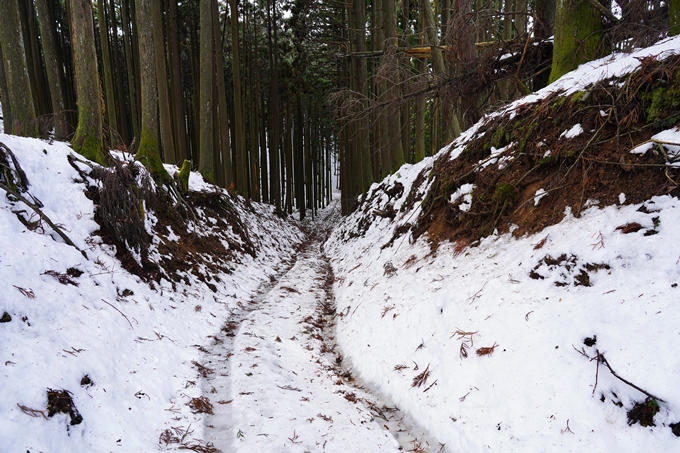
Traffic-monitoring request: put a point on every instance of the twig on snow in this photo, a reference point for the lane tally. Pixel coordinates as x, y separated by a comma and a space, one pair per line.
601, 358
126, 318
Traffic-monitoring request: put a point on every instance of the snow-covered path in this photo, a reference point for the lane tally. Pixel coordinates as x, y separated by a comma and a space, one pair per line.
277, 382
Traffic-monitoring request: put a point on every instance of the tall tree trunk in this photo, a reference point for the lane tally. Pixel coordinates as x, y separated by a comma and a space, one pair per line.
673, 17
464, 109
381, 132
393, 128
194, 98
264, 175
55, 75
274, 110
309, 173
288, 155
4, 98
35, 65
62, 16
88, 138
432, 35
254, 117
544, 26
419, 152
206, 120
130, 63
362, 143
149, 149
222, 120
167, 137
406, 122
578, 33
107, 72
299, 155
16, 72
122, 114
177, 103
240, 158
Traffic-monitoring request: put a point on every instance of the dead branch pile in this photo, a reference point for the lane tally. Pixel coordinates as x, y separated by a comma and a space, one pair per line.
126, 191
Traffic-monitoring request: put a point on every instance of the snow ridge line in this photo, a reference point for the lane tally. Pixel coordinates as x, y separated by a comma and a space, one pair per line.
218, 426
405, 430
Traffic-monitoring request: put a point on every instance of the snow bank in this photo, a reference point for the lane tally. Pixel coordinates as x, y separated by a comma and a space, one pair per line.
138, 346
495, 347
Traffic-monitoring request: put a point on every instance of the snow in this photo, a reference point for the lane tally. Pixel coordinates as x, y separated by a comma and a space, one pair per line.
540, 193
347, 345
464, 191
575, 131
284, 394
536, 383
667, 141
136, 344
532, 303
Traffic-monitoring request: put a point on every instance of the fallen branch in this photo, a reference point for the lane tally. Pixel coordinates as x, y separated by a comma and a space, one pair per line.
43, 216
602, 359
602, 9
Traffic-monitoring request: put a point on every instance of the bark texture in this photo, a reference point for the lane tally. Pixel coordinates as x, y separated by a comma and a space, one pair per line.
578, 30
88, 138
16, 72
149, 150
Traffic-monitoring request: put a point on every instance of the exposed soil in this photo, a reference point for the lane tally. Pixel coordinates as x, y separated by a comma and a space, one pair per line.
202, 234
616, 115
61, 401
643, 413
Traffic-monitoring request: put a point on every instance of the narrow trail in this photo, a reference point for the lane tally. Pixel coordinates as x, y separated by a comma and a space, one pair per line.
276, 378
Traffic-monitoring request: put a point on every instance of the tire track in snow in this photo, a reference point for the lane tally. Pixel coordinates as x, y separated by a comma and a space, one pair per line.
279, 381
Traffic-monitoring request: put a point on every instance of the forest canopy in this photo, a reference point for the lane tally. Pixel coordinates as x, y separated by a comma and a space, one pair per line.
273, 99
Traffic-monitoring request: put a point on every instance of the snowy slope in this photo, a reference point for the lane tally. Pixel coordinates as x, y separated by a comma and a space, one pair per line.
494, 347
138, 347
